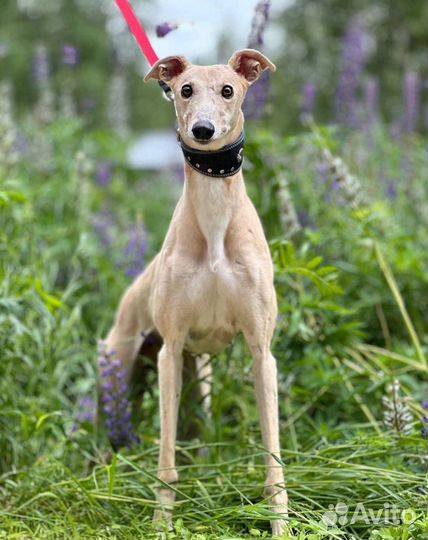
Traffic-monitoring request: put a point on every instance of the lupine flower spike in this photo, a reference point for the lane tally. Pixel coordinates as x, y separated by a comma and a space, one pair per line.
354, 56
8, 154
397, 415
114, 397
424, 430
288, 214
343, 181
258, 92
118, 110
86, 412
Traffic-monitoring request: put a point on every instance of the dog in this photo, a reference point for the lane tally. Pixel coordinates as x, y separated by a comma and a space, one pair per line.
213, 277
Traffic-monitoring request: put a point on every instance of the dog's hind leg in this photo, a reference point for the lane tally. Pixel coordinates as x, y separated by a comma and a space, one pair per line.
204, 371
132, 322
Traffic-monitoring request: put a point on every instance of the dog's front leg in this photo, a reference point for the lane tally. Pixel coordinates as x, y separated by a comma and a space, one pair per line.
170, 367
266, 387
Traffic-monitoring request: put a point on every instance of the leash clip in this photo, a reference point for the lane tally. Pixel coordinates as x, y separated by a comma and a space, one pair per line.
167, 90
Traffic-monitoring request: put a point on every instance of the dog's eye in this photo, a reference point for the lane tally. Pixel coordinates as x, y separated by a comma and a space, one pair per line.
186, 91
227, 91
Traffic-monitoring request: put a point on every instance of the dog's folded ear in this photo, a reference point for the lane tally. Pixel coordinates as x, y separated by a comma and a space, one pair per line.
250, 64
167, 68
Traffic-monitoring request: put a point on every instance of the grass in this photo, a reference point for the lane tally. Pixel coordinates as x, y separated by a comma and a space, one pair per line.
352, 301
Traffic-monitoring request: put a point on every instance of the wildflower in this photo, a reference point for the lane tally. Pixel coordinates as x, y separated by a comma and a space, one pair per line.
347, 185
287, 211
86, 412
116, 406
259, 91
424, 430
397, 415
44, 109
8, 153
258, 24
165, 28
391, 190
70, 55
135, 250
257, 96
117, 112
89, 104
354, 57
83, 168
104, 173
41, 65
412, 87
67, 105
22, 145
371, 103
103, 224
308, 100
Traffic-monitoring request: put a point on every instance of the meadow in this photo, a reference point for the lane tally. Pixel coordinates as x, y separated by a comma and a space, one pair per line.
345, 209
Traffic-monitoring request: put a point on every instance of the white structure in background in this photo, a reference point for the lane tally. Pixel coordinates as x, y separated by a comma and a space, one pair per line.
156, 150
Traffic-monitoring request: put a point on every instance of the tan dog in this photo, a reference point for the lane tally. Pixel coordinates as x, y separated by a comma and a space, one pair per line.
213, 277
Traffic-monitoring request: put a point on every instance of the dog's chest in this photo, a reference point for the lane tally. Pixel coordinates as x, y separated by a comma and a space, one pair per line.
214, 211
213, 299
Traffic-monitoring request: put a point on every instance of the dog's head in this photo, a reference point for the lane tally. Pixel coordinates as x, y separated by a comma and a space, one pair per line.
208, 99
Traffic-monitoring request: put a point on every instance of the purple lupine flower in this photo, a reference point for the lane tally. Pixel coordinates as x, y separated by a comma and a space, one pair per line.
412, 88
322, 169
258, 24
424, 430
305, 219
371, 102
70, 55
165, 28
308, 100
259, 91
22, 144
257, 96
114, 396
103, 224
354, 57
86, 412
89, 104
135, 250
391, 190
104, 173
41, 65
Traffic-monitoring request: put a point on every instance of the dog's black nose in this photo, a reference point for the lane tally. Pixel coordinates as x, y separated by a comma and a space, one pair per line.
203, 130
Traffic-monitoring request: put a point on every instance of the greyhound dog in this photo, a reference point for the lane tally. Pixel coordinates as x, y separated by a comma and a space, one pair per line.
213, 277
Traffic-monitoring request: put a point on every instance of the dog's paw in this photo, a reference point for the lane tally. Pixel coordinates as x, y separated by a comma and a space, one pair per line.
280, 529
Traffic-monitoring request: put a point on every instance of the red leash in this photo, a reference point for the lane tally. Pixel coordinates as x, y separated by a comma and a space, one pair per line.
138, 31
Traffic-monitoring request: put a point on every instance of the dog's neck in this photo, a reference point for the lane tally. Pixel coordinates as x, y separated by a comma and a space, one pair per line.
214, 202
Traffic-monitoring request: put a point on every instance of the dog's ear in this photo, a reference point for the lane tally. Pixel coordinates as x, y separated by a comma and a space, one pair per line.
250, 64
167, 68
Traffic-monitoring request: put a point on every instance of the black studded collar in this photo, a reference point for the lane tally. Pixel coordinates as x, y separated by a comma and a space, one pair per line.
216, 163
